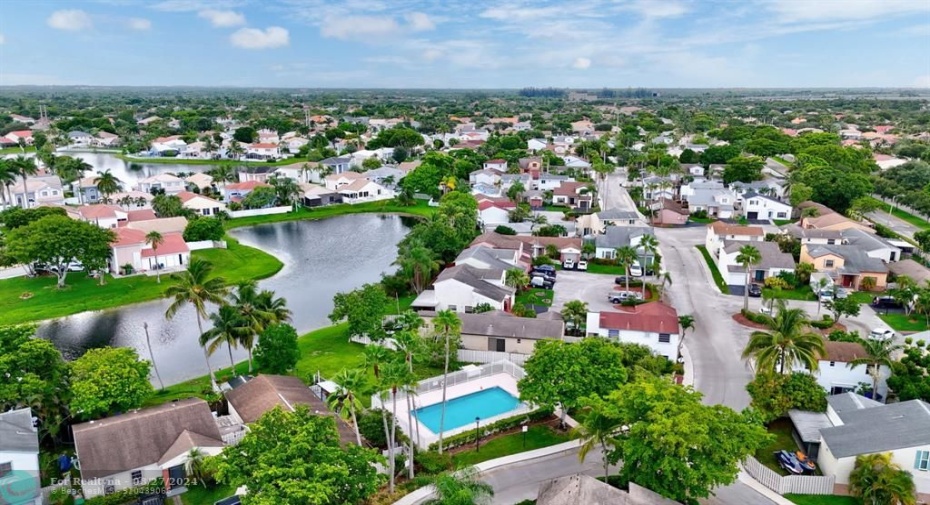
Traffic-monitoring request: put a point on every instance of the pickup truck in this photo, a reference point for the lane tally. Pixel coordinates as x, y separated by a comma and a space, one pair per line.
621, 296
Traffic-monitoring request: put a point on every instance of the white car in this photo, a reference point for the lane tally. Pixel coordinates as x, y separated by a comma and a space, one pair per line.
582, 265
568, 265
881, 334
767, 310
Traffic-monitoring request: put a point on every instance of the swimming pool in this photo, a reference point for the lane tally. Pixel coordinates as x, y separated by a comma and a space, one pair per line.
462, 411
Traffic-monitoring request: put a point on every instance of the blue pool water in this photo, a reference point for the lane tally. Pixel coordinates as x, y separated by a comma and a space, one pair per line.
462, 411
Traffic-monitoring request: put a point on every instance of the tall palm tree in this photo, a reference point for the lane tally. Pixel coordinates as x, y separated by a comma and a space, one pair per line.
878, 353
107, 184
275, 307
345, 400
25, 167
876, 480
596, 429
650, 246
461, 488
575, 312
155, 239
420, 263
197, 289
748, 256
375, 356
516, 278
196, 465
448, 324
8, 175
228, 328
247, 301
686, 321
626, 256
788, 342
286, 189
394, 376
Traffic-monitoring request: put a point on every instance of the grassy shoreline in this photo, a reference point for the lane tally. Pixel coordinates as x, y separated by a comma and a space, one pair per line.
191, 161
421, 209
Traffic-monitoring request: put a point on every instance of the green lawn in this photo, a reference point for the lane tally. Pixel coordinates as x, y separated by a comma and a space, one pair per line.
536, 296
421, 209
595, 268
17, 150
802, 293
537, 437
781, 429
782, 222
555, 208
903, 322
235, 264
718, 279
821, 499
200, 495
702, 220
917, 221
783, 161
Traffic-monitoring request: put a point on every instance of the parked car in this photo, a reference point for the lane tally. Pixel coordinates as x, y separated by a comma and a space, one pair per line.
886, 302
622, 280
549, 270
755, 290
74, 266
766, 309
539, 281
582, 265
568, 265
621, 296
826, 295
881, 334
636, 270
841, 293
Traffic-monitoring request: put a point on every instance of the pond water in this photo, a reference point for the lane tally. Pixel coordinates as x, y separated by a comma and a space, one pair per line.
321, 258
131, 172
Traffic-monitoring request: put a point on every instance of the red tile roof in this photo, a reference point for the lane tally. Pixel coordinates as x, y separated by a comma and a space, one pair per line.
247, 185
99, 211
721, 228
174, 244
23, 133
500, 203
141, 215
128, 236
261, 145
655, 317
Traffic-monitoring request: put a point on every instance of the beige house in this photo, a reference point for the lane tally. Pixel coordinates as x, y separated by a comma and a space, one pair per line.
503, 332
848, 265
202, 205
131, 249
828, 219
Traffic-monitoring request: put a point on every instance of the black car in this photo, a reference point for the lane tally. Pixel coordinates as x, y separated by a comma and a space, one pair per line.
547, 270
886, 302
622, 280
755, 290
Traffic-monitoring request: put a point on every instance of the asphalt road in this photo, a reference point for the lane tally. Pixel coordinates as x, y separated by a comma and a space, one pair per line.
898, 225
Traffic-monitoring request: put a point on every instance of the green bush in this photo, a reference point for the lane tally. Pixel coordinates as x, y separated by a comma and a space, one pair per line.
755, 317
505, 230
433, 463
845, 336
204, 228
468, 437
823, 324
126, 496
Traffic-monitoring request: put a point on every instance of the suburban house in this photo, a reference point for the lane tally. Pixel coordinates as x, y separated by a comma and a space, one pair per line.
847, 264
535, 145
549, 181
199, 180
503, 332
756, 206
19, 459
86, 190
131, 449
169, 144
480, 256
485, 176
827, 219
530, 247
237, 191
386, 176
496, 165
873, 245
836, 377
720, 233
576, 195
79, 138
314, 195
364, 190
584, 489
168, 183
508, 180
39, 190
773, 262
132, 250
856, 425
652, 324
593, 224
262, 151
657, 188
709, 196
25, 136
106, 139
302, 172
335, 182
670, 213
259, 173
532, 166
249, 400
103, 215
461, 288
615, 237
494, 211
337, 165
202, 205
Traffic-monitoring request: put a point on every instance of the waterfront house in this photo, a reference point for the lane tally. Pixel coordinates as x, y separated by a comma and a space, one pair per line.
132, 253
364, 190
461, 288
503, 332
237, 191
41, 189
169, 184
19, 458
337, 165
201, 205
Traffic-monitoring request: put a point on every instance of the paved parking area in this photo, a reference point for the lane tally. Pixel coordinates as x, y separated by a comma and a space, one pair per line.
589, 288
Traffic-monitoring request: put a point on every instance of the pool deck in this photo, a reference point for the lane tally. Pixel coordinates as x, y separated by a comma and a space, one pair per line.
426, 437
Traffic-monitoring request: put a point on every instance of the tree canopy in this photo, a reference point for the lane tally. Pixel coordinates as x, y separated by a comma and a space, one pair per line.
108, 380
57, 241
773, 395
277, 350
362, 309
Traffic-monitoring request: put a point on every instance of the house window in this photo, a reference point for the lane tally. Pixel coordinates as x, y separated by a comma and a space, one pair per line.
497, 344
781, 215
613, 333
453, 308
5, 468
137, 477
828, 264
833, 363
108, 487
469, 309
831, 241
922, 462
664, 338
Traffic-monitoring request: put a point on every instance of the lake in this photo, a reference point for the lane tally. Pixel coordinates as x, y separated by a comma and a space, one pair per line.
121, 169
321, 259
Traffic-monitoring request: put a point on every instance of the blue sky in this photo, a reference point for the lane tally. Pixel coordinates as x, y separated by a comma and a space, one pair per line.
466, 43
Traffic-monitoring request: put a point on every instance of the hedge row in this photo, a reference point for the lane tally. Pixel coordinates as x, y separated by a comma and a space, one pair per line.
468, 436
127, 496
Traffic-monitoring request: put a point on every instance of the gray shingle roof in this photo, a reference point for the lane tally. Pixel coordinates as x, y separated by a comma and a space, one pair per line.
879, 429
864, 240
475, 277
772, 257
855, 260
17, 433
494, 258
619, 236
809, 424
847, 402
501, 324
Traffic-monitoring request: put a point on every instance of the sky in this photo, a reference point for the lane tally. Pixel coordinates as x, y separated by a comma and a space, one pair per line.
466, 43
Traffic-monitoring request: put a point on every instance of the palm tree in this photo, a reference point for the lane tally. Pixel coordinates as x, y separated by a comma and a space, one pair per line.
876, 480
420, 263
228, 328
788, 342
626, 256
394, 376
148, 343
686, 321
448, 324
575, 312
375, 355
107, 183
878, 353
596, 429
275, 307
345, 400
196, 465
155, 239
405, 197
536, 219
650, 246
195, 287
8, 175
748, 256
223, 174
516, 278
285, 188
461, 488
25, 167
248, 303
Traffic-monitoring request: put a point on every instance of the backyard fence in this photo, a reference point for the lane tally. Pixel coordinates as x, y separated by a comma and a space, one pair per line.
259, 212
785, 484
470, 356
206, 244
462, 376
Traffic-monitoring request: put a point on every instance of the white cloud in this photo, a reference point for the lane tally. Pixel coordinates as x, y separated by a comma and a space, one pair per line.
359, 27
432, 54
420, 22
193, 5
794, 10
255, 38
582, 63
140, 24
2, 39
71, 20
222, 19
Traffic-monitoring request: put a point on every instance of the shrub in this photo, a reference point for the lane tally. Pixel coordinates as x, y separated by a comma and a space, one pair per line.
371, 427
505, 230
823, 324
433, 462
790, 279
468, 437
277, 351
542, 260
773, 395
699, 214
130, 495
845, 336
777, 282
755, 317
204, 228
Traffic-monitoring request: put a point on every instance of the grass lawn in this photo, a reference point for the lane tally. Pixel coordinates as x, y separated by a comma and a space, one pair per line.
783, 161
555, 208
606, 269
903, 322
718, 279
536, 296
537, 437
781, 428
421, 209
782, 222
917, 221
82, 293
702, 220
821, 499
200, 495
17, 150
802, 293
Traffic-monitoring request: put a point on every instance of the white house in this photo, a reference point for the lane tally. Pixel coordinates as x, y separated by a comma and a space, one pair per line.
461, 288
131, 249
709, 196
719, 233
536, 144
873, 245
486, 176
106, 139
239, 190
364, 190
497, 165
104, 216
165, 144
772, 263
79, 138
480, 256
862, 426
615, 237
494, 211
548, 182
652, 324
42, 190
131, 449
168, 183
836, 377
336, 181
756, 206
19, 458
262, 151
202, 205
337, 165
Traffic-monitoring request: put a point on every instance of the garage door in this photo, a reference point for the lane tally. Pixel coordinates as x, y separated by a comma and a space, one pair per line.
752, 215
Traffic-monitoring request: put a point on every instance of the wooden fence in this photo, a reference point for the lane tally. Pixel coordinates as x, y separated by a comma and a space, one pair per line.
785, 484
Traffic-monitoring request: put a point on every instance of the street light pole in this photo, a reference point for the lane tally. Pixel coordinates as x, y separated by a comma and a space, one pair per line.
477, 434
525, 429
891, 207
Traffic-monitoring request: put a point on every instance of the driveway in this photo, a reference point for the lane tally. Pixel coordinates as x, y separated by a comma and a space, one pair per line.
589, 288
